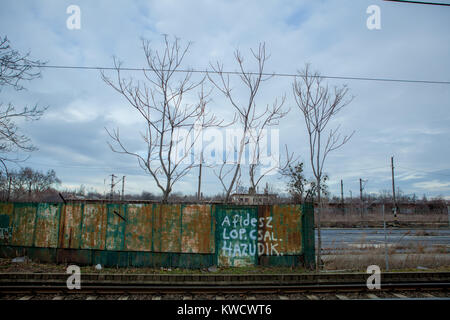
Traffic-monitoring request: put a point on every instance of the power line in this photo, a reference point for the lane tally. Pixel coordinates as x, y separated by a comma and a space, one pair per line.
274, 74
78, 166
421, 2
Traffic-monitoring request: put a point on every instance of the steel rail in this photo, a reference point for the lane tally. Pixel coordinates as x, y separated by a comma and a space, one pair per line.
121, 288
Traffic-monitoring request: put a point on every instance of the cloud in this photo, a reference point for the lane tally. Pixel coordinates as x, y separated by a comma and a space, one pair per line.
406, 120
433, 185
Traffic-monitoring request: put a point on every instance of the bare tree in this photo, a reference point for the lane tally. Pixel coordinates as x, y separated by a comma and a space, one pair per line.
28, 183
270, 117
319, 104
202, 123
160, 101
251, 121
14, 69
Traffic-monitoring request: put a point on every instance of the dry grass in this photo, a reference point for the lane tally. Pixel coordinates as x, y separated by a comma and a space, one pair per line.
359, 262
7, 266
401, 255
352, 217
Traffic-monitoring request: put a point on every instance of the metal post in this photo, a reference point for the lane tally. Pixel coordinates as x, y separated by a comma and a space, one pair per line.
448, 214
394, 203
112, 187
123, 186
386, 256
9, 188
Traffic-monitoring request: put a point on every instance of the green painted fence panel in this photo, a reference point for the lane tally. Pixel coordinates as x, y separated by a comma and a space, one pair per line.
94, 222
115, 229
236, 235
47, 225
24, 224
138, 227
70, 230
156, 235
308, 235
6, 222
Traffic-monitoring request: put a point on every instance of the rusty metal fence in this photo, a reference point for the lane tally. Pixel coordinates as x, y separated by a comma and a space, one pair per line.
158, 235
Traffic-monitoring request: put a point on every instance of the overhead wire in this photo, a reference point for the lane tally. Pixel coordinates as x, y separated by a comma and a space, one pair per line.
274, 74
421, 2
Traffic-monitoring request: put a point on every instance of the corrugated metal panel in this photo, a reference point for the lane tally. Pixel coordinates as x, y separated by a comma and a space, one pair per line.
24, 224
93, 234
236, 235
71, 226
285, 232
197, 232
138, 231
308, 235
162, 235
115, 229
167, 228
6, 222
47, 225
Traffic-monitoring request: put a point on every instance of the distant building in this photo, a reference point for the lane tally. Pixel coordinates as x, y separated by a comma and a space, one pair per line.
252, 197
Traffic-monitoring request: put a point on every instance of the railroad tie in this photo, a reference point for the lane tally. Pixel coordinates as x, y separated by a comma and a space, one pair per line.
187, 297
399, 295
156, 298
283, 297
220, 298
123, 298
26, 298
58, 298
312, 297
91, 298
372, 296
341, 297
428, 295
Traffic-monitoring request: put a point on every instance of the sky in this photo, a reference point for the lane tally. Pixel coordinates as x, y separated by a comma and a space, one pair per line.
406, 120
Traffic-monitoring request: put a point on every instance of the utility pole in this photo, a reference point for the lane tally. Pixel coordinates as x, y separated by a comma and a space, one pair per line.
199, 196
386, 256
360, 198
342, 197
394, 203
448, 214
112, 186
351, 201
123, 186
9, 188
363, 209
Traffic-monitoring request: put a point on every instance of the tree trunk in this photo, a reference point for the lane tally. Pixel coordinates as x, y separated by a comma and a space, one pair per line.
319, 238
228, 195
165, 196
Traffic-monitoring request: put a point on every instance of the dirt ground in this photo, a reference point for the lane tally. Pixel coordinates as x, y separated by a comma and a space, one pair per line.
341, 263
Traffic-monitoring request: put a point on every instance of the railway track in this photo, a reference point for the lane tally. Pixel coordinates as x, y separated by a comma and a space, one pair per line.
201, 284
